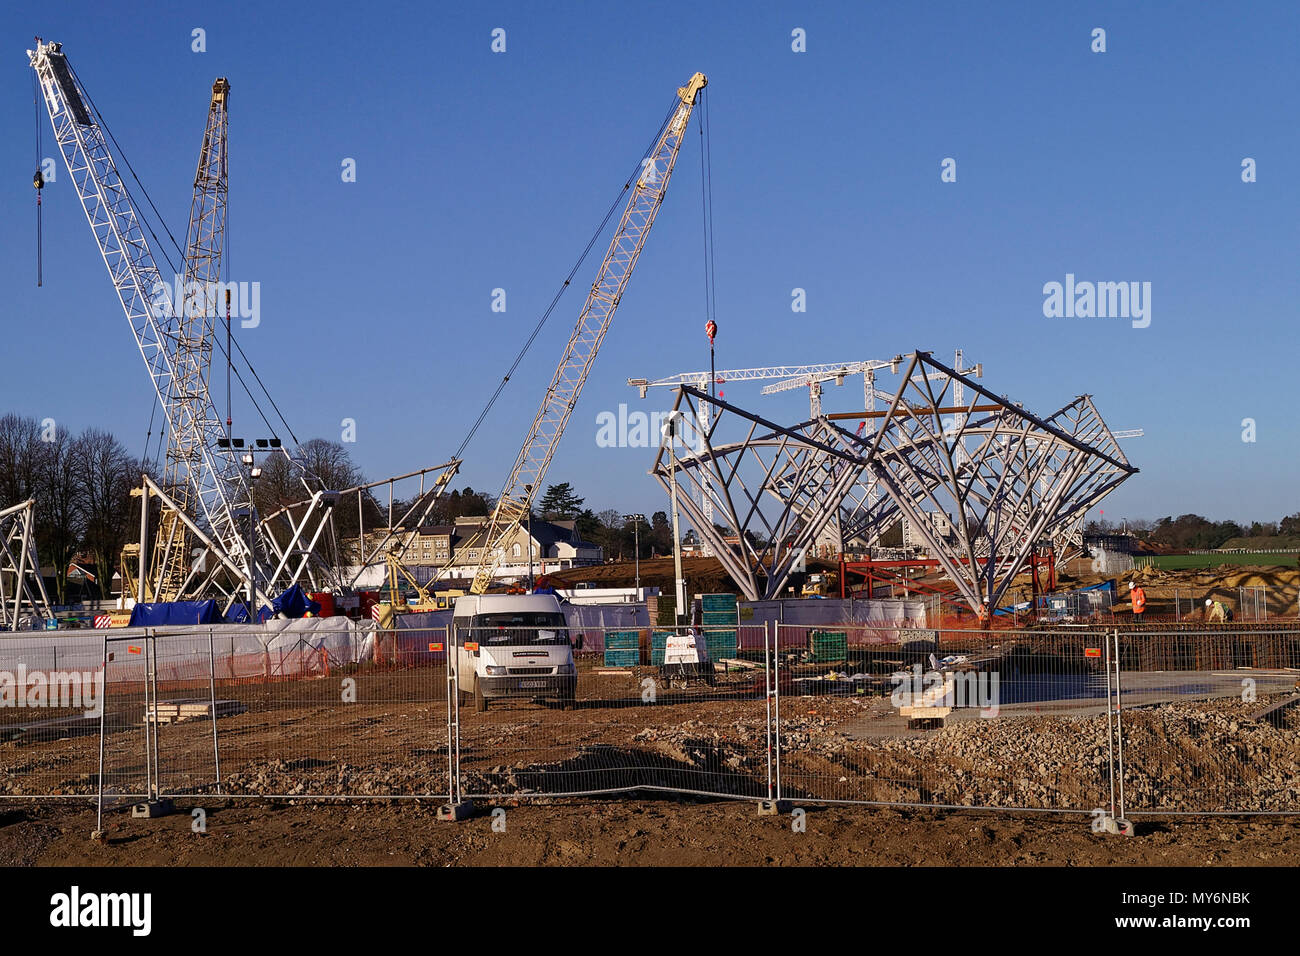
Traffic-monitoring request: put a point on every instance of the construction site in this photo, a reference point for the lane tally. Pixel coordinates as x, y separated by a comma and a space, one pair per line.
890, 603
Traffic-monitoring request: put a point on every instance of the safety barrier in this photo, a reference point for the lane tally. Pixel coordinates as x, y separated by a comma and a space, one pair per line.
1071, 718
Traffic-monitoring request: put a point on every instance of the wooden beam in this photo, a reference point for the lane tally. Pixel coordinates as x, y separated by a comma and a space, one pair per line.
906, 411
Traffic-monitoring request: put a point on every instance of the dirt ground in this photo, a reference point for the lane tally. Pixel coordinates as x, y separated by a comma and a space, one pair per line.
624, 832
293, 742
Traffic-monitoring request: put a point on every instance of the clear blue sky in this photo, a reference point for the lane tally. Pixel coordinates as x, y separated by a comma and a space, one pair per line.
478, 170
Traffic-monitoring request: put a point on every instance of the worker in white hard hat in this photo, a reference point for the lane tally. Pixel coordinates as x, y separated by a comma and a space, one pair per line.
1139, 598
1217, 610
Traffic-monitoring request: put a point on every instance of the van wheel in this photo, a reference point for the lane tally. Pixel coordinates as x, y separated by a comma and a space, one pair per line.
480, 702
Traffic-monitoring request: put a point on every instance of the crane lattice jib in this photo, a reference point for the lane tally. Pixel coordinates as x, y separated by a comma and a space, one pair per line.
192, 345
214, 478
562, 394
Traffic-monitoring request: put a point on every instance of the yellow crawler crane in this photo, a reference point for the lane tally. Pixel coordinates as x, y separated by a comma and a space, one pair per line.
562, 394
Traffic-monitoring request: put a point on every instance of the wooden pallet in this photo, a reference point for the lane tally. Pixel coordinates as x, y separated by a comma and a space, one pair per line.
174, 711
921, 718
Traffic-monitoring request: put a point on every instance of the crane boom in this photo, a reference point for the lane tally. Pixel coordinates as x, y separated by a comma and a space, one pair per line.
214, 477
192, 345
593, 322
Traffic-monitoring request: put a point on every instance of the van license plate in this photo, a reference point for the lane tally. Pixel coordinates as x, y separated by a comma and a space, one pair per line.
528, 684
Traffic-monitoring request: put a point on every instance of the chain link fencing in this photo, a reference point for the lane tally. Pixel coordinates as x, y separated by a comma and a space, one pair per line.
605, 711
1211, 722
942, 717
1064, 718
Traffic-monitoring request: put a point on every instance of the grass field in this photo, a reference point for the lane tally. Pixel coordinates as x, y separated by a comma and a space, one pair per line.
1172, 562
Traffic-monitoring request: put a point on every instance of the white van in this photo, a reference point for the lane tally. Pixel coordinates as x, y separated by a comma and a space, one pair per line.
513, 645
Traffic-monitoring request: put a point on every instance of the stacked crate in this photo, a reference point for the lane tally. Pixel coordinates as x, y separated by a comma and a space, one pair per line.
827, 647
622, 648
658, 646
720, 611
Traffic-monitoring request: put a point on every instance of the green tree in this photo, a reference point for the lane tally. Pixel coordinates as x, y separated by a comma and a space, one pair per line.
560, 502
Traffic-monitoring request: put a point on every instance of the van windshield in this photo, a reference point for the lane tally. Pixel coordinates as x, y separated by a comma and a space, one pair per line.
521, 627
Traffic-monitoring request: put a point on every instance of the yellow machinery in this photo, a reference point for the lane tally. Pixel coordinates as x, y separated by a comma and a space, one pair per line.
819, 584
425, 600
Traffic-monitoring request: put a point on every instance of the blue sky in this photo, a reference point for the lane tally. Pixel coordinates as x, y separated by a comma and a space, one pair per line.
478, 171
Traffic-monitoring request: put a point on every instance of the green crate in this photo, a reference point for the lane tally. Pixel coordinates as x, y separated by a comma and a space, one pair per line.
827, 646
622, 658
622, 640
721, 644
658, 646
719, 609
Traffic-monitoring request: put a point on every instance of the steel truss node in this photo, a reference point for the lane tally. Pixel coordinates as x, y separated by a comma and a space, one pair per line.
981, 480
288, 526
22, 589
792, 469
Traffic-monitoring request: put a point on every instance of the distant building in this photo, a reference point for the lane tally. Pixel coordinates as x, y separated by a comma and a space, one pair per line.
1110, 553
940, 524
1116, 543
555, 546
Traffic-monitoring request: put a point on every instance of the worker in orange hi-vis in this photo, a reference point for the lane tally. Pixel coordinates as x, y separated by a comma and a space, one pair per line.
984, 616
1139, 599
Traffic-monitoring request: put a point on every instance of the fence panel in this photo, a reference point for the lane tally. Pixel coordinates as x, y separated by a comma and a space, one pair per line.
50, 698
863, 713
988, 718
316, 723
1208, 721
632, 720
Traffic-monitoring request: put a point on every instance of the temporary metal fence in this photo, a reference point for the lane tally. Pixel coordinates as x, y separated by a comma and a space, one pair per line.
628, 719
1081, 604
1252, 603
1063, 718
1210, 721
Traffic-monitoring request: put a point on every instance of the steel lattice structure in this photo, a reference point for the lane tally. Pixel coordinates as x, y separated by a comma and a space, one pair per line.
982, 480
798, 376
192, 344
213, 477
795, 471
22, 589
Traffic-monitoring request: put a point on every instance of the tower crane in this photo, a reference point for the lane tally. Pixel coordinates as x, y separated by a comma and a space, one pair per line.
570, 375
813, 380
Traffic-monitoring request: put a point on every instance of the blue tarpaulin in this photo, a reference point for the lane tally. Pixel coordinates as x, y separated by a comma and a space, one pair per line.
293, 602
167, 613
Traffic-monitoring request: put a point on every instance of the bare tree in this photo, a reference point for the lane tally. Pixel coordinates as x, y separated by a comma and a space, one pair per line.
20, 459
60, 524
329, 463
105, 474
